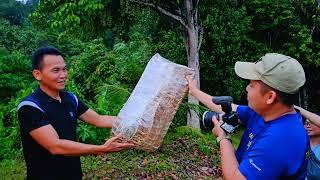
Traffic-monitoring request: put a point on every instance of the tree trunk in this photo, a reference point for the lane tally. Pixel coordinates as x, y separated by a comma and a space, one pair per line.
193, 62
191, 40
304, 97
189, 19
314, 25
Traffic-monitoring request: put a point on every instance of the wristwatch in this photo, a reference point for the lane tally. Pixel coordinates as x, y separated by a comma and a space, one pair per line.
219, 138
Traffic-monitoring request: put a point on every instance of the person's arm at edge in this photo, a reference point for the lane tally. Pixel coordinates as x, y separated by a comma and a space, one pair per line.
203, 97
314, 118
48, 138
93, 118
229, 163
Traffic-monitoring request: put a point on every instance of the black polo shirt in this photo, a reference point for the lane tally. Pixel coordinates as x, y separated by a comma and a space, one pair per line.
41, 164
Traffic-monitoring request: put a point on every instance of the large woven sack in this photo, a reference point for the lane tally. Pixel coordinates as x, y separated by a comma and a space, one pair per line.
148, 113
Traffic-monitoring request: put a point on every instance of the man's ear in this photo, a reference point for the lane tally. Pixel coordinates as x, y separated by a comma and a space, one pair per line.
271, 97
37, 74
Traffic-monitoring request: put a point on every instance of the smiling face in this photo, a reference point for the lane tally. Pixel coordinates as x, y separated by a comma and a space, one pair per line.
53, 73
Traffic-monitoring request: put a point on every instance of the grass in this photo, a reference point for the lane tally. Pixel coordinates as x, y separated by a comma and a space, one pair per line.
186, 153
12, 169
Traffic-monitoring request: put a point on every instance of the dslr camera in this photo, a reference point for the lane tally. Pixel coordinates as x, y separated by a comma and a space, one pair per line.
230, 120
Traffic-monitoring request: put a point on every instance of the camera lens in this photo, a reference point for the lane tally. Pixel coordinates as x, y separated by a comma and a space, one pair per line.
207, 119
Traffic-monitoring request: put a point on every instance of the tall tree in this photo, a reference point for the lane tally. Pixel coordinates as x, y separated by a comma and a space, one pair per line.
187, 14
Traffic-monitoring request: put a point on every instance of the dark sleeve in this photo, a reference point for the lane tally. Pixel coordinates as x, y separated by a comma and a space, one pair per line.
82, 108
31, 118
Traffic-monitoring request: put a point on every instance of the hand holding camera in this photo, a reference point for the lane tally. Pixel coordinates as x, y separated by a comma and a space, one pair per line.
229, 119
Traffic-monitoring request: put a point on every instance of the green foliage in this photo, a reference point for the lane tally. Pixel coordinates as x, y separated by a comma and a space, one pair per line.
110, 99
15, 38
14, 73
86, 62
285, 27
9, 133
14, 11
145, 25
170, 45
226, 41
84, 18
291, 28
92, 135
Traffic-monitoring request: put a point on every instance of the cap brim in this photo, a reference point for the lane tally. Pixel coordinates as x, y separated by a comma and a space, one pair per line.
246, 70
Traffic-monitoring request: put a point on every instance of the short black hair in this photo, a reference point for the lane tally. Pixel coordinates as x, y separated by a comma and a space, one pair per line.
39, 54
285, 98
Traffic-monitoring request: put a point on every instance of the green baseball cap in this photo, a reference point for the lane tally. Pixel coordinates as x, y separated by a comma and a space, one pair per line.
280, 72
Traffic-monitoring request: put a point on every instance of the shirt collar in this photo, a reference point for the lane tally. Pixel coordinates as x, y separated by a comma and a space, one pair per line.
45, 97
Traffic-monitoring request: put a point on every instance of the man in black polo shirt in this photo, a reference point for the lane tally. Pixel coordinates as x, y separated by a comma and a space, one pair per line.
48, 119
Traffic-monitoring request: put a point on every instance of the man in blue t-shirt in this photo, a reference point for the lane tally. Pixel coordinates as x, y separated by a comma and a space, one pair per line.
275, 142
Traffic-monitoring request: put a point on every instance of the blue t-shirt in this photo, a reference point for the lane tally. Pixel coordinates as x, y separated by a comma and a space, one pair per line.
274, 149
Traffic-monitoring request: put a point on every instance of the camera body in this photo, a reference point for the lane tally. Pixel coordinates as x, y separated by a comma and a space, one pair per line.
229, 119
